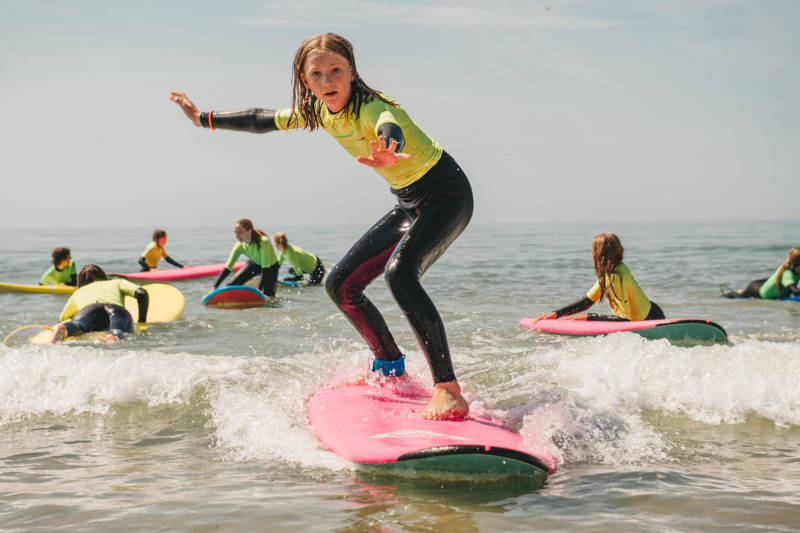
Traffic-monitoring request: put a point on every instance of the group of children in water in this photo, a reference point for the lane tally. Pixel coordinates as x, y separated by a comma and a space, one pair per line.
433, 205
98, 303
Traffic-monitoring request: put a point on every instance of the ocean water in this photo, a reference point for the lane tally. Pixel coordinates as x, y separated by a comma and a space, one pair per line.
200, 425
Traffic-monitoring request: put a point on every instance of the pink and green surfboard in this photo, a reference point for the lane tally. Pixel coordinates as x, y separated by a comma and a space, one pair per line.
379, 425
685, 330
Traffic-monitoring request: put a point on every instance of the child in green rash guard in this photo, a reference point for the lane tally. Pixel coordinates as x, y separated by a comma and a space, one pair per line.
98, 305
302, 262
63, 270
154, 251
614, 282
783, 283
255, 244
432, 203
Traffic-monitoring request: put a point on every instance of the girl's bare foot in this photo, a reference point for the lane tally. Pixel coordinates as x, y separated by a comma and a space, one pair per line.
446, 403
59, 332
111, 339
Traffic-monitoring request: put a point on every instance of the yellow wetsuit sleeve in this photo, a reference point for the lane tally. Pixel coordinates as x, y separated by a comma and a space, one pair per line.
70, 308
49, 276
126, 287
282, 117
594, 292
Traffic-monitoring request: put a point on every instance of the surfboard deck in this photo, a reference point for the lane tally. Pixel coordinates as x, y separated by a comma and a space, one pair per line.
235, 297
166, 305
673, 329
379, 425
177, 274
40, 289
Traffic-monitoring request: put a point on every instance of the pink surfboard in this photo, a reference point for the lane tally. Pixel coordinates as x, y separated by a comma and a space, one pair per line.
675, 329
380, 425
178, 274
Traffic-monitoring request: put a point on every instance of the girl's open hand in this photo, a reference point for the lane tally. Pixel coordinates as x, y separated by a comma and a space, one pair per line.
187, 106
545, 317
381, 155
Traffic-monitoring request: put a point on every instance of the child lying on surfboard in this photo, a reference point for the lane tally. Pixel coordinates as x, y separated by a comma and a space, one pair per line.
98, 305
783, 283
615, 283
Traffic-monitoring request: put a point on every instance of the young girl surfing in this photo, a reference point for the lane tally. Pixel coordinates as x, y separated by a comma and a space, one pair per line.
615, 283
434, 202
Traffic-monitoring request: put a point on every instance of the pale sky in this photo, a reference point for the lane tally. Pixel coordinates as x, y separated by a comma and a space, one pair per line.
618, 110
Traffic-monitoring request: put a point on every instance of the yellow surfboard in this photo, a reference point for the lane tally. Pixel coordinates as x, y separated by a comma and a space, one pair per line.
45, 289
166, 305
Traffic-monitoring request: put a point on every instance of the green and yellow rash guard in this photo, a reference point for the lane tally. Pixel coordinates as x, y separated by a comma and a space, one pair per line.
153, 253
300, 260
263, 256
354, 134
769, 290
624, 294
111, 291
59, 276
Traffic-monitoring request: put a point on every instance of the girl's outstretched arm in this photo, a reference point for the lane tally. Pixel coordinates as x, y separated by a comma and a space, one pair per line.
254, 120
187, 106
576, 307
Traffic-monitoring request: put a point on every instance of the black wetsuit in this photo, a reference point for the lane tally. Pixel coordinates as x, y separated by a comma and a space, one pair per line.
107, 317
266, 284
431, 213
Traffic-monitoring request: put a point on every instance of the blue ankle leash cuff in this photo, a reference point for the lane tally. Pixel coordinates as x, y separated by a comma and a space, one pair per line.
394, 368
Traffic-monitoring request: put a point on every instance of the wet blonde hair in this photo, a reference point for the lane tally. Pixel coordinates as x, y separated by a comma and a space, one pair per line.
280, 240
607, 252
304, 103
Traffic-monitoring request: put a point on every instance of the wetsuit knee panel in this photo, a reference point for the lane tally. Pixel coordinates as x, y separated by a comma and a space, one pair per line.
400, 273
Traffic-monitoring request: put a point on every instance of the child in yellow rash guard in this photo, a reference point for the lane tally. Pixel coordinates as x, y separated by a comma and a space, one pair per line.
255, 244
98, 305
614, 282
154, 251
433, 203
63, 271
302, 262
354, 135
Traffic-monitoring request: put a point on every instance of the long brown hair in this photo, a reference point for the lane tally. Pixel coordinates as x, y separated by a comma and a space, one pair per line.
255, 237
304, 103
607, 254
791, 262
90, 273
